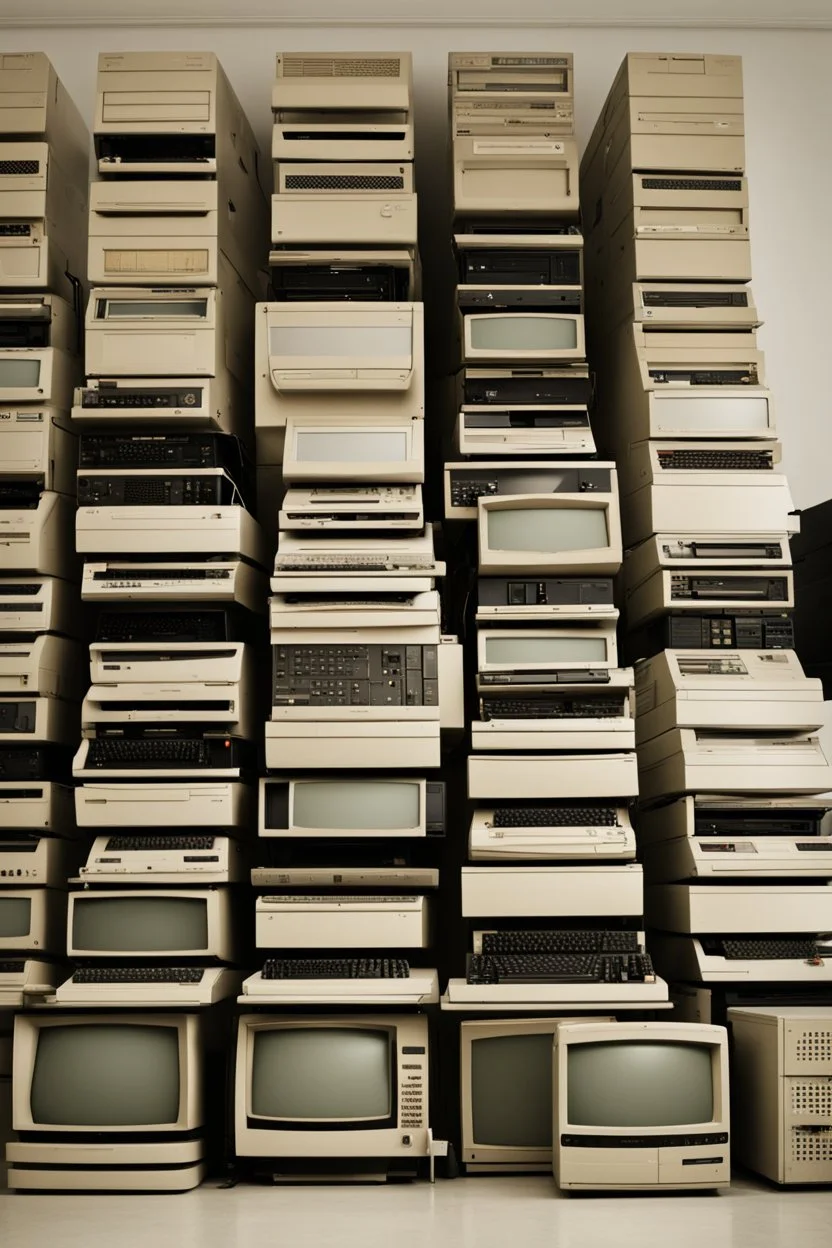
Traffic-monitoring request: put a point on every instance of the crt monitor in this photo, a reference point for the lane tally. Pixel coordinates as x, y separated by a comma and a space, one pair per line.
151, 923
107, 1073
506, 1094
641, 1105
345, 1086
341, 806
549, 534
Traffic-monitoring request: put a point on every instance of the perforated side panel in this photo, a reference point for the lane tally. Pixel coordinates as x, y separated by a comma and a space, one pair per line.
808, 1047
340, 67
810, 1098
812, 1146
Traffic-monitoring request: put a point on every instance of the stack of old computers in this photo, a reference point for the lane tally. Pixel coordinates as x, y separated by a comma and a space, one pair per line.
173, 559
730, 831
364, 683
553, 893
44, 148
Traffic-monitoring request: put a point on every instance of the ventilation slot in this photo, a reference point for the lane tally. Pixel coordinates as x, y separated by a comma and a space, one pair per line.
336, 67
813, 1046
11, 167
343, 182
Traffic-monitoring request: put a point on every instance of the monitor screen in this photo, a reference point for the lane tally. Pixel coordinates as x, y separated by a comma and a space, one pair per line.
324, 1074
511, 1091
639, 1084
506, 650
356, 805
364, 446
547, 528
105, 1075
340, 341
18, 374
702, 414
104, 923
15, 916
523, 333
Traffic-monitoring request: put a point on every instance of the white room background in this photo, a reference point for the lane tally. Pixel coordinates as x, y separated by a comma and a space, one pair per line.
788, 112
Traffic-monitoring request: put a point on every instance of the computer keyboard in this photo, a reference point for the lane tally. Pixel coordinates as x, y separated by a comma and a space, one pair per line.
336, 968
560, 941
121, 844
717, 461
162, 626
542, 968
138, 975
551, 708
178, 752
555, 817
763, 949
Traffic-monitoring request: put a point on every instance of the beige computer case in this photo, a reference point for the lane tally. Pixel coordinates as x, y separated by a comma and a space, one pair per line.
782, 1092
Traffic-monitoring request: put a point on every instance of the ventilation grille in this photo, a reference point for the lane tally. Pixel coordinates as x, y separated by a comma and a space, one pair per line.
718, 461
812, 1098
340, 67
813, 1046
11, 167
692, 184
343, 182
812, 1145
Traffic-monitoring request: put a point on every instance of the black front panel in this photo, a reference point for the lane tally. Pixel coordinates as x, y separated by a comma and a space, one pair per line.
17, 716
371, 283
552, 706
23, 764
155, 490
519, 419
162, 450
19, 495
470, 483
532, 267
373, 675
505, 591
735, 632
163, 626
752, 588
646, 1141
108, 398
791, 822
540, 299
157, 149
525, 387
24, 333
706, 377
714, 298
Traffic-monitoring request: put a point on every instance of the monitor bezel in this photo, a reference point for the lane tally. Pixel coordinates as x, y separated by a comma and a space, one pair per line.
604, 561
27, 1028
311, 316
219, 922
410, 468
292, 830
714, 1038
476, 355
500, 1156
398, 1136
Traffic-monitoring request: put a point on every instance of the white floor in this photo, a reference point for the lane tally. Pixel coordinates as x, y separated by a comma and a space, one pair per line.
465, 1213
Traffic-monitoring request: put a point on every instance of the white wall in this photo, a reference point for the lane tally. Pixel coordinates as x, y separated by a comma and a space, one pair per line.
788, 94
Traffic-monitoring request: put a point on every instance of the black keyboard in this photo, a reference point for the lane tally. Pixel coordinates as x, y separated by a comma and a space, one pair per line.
551, 708
184, 752
122, 843
555, 817
547, 968
560, 941
717, 461
336, 968
162, 626
756, 950
138, 975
